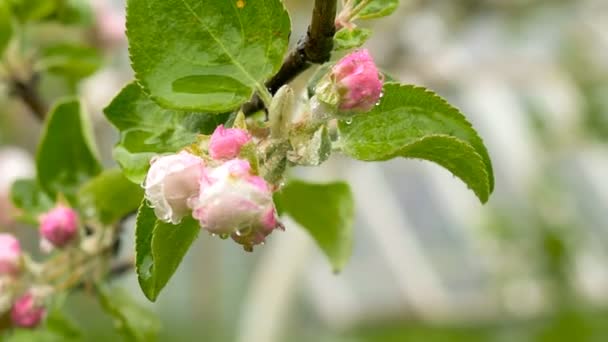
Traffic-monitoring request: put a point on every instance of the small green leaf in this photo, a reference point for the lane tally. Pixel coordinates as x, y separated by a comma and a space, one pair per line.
206, 55
67, 156
6, 26
109, 197
27, 195
326, 211
75, 12
160, 248
377, 9
413, 122
33, 10
147, 130
70, 60
347, 38
61, 325
132, 320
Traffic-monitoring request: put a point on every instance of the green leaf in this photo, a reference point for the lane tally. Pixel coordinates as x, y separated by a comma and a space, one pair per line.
6, 26
75, 12
109, 197
206, 55
61, 325
67, 156
71, 61
377, 9
160, 248
413, 122
33, 10
326, 211
132, 320
27, 195
147, 130
347, 39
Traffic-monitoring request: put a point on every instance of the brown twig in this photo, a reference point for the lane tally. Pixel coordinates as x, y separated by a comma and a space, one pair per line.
314, 48
27, 91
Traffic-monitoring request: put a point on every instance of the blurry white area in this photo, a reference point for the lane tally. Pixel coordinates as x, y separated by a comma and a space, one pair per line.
15, 163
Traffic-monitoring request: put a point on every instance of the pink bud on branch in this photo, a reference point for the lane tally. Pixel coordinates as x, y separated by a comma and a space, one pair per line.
226, 143
353, 85
59, 226
27, 312
171, 183
10, 255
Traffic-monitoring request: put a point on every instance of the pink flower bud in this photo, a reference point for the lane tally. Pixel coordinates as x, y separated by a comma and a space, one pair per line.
235, 202
10, 254
171, 183
27, 312
356, 82
226, 143
59, 226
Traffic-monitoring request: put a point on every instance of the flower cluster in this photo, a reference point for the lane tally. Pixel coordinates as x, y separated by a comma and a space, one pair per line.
222, 192
24, 296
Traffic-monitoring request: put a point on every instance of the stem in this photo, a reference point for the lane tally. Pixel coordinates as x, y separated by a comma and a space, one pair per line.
353, 13
27, 91
314, 48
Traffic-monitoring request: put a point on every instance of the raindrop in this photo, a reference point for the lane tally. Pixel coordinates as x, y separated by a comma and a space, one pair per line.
224, 236
348, 121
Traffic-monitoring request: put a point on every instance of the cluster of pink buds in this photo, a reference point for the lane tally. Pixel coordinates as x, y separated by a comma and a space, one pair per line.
222, 192
27, 311
353, 85
58, 229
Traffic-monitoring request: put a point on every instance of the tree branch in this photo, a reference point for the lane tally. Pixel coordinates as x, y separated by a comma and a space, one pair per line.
27, 91
314, 48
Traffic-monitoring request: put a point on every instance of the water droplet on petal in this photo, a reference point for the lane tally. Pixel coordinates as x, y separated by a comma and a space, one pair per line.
224, 236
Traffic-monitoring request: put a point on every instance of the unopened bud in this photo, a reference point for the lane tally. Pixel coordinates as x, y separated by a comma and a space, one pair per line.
10, 255
226, 143
28, 311
353, 85
59, 226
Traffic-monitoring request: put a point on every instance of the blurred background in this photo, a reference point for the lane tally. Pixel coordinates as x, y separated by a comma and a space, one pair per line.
430, 263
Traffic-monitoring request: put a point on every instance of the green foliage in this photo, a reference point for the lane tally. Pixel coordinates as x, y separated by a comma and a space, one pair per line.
109, 197
147, 130
33, 10
348, 38
27, 195
377, 8
160, 248
413, 122
326, 211
205, 55
6, 26
67, 156
71, 61
133, 321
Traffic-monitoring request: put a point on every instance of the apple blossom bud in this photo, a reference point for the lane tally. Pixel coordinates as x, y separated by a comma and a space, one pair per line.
226, 143
59, 226
10, 255
353, 85
235, 202
27, 312
171, 183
